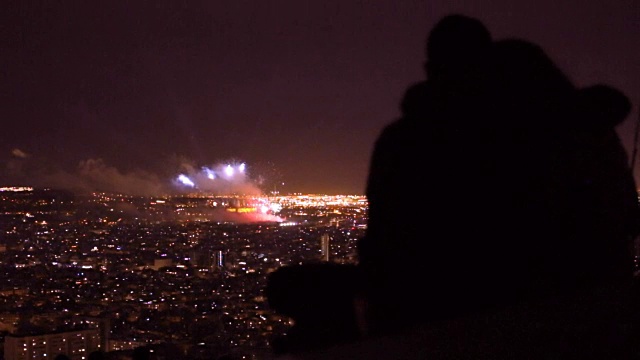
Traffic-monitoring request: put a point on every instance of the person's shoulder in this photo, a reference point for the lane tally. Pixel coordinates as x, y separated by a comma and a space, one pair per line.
601, 106
416, 100
391, 131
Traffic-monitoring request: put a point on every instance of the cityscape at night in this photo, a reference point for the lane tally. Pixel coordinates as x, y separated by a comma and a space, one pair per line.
184, 273
320, 180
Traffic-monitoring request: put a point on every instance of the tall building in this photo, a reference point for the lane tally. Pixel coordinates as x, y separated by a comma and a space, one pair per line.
75, 344
204, 259
324, 246
102, 324
220, 259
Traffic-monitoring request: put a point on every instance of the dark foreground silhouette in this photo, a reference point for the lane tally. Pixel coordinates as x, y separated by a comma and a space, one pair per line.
320, 299
517, 242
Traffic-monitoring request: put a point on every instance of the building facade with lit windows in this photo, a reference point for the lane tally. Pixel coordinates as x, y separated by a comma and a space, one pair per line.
75, 344
324, 247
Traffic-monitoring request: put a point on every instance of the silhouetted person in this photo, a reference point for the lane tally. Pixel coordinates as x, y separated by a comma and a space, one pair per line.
526, 211
502, 213
412, 245
319, 298
565, 171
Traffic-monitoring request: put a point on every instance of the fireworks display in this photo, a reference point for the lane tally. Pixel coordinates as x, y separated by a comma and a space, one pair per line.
181, 176
221, 179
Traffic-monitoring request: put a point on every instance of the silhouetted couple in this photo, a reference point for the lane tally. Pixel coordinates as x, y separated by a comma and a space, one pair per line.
514, 235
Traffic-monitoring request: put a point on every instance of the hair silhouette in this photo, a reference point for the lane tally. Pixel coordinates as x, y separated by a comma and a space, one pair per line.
454, 45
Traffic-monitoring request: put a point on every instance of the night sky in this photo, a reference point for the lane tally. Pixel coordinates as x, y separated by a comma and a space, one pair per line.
124, 95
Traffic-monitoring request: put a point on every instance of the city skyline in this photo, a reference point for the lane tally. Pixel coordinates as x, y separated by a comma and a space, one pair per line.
119, 273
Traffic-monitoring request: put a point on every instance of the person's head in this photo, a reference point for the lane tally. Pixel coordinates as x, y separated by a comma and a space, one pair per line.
524, 77
455, 45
